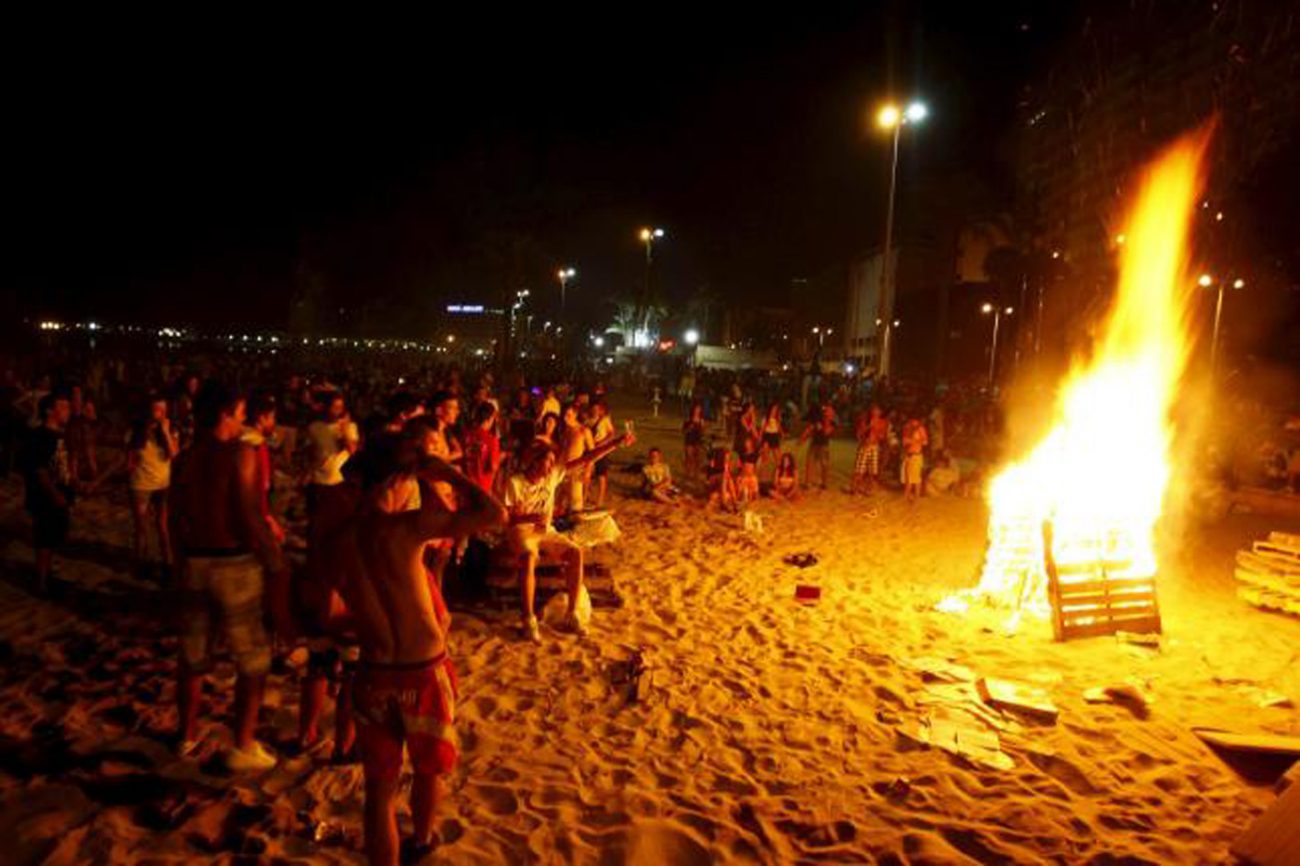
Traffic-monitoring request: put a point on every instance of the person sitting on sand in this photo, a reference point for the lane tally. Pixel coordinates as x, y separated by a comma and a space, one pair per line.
404, 693
659, 479
530, 499
230, 561
721, 484
785, 485
943, 478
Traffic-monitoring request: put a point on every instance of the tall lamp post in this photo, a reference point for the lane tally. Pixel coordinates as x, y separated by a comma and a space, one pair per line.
1206, 281
648, 237
892, 118
998, 313
565, 274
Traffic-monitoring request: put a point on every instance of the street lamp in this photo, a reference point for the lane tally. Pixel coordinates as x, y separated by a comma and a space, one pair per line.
648, 237
691, 337
891, 117
565, 274
1205, 281
998, 313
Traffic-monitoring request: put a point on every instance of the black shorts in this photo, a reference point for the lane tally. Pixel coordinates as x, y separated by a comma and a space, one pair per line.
50, 527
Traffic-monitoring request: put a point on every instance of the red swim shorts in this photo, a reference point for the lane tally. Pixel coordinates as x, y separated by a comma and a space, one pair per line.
406, 704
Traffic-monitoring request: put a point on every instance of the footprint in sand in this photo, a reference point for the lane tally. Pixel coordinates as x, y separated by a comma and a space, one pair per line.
498, 800
657, 843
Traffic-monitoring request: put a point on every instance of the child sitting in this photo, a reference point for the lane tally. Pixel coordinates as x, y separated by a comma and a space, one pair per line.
659, 479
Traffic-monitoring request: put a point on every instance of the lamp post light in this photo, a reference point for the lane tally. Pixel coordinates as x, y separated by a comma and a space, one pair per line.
648, 237
885, 342
892, 118
1205, 281
565, 274
998, 313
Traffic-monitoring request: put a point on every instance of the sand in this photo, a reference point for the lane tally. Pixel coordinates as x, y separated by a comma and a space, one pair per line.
767, 731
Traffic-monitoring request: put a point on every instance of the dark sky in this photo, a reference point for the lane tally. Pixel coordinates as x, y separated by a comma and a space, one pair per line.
185, 172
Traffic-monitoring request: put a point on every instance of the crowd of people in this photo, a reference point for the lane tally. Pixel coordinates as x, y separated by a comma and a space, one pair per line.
334, 508
390, 501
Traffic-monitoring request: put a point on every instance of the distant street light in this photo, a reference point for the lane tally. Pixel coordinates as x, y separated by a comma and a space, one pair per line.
691, 337
891, 117
648, 237
565, 274
998, 313
1205, 281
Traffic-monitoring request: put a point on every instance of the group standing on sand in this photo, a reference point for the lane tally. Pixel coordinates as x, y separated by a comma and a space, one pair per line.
390, 503
757, 463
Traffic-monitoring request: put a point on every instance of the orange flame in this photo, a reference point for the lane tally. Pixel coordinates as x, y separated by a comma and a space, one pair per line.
1101, 473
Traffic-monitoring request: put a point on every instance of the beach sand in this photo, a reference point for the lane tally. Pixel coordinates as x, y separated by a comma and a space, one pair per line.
765, 731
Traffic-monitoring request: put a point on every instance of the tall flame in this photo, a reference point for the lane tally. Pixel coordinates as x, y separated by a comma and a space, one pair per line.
1101, 472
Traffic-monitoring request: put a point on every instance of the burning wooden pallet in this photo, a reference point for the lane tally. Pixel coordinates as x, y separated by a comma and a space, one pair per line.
1094, 589
1269, 573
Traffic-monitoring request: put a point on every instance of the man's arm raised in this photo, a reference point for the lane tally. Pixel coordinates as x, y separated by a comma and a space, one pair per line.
609, 446
478, 510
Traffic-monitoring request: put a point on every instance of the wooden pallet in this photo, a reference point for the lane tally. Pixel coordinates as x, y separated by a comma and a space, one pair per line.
1269, 573
1099, 606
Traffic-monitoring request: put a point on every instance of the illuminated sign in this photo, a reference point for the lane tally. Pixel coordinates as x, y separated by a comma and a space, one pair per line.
464, 308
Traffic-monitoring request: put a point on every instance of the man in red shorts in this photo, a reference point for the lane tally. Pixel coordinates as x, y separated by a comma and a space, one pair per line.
405, 688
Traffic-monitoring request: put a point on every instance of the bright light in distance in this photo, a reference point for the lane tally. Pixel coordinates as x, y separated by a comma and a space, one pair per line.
598, 342
691, 337
451, 338
916, 112
1008, 311
888, 116
987, 308
1120, 239
1205, 281
1239, 283
646, 234
848, 368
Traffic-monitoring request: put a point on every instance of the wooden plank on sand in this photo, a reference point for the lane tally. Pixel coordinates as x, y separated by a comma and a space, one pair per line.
1272, 744
1274, 837
1016, 696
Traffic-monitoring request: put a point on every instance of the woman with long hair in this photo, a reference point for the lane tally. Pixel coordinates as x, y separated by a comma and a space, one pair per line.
771, 434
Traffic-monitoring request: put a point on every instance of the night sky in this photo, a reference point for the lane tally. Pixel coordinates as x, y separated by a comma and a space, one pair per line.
196, 173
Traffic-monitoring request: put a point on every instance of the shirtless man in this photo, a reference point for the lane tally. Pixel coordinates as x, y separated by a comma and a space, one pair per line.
576, 442
230, 560
530, 499
404, 692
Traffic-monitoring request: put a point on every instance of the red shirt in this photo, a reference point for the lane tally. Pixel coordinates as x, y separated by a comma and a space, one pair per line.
482, 454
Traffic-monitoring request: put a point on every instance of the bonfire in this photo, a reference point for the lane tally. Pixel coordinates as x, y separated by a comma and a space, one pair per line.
1081, 508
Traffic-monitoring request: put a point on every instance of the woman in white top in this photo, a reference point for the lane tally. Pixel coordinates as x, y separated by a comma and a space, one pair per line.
150, 447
